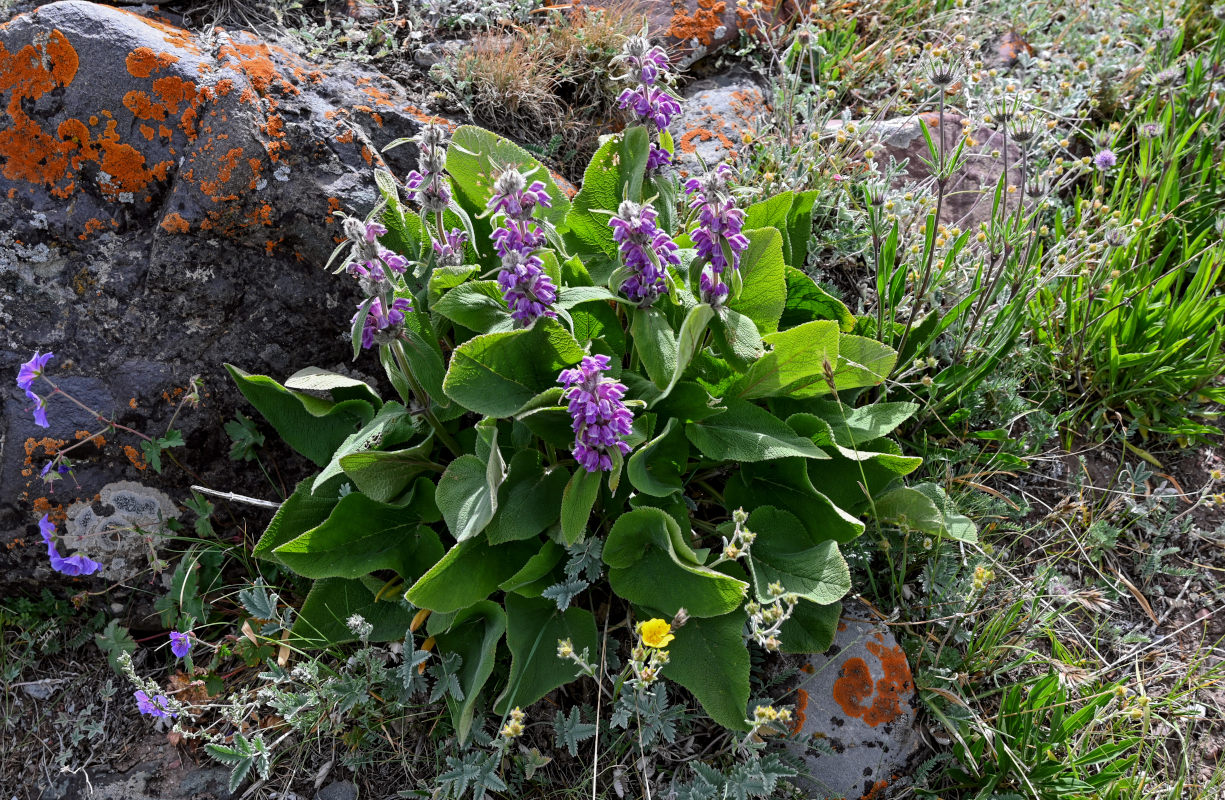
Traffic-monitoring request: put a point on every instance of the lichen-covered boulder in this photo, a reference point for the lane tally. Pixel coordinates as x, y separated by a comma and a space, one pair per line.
109, 119
167, 200
854, 710
717, 115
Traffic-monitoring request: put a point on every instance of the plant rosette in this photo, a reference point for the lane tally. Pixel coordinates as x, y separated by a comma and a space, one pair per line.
634, 397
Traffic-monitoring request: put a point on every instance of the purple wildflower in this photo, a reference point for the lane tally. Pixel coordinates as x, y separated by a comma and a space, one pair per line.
527, 289
1105, 159
73, 565
657, 159
600, 419
32, 370
645, 250
650, 104
180, 643
718, 237
429, 181
377, 321
450, 251
156, 706
513, 196
369, 258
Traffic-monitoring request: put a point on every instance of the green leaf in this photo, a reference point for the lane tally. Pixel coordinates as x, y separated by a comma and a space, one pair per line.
747, 433
784, 553
856, 426
359, 537
469, 572
810, 628
765, 287
799, 227
577, 500
655, 344
807, 302
736, 338
652, 565
769, 213
785, 484
468, 495
687, 343
302, 511
443, 279
533, 628
537, 573
658, 467
311, 425
796, 359
422, 353
474, 635
393, 424
498, 373
529, 501
332, 601
614, 174
861, 362
925, 508
341, 387
708, 657
477, 305
385, 475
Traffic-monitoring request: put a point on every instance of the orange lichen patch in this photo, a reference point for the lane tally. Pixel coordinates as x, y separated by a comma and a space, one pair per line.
173, 35
686, 143
29, 153
173, 223
143, 62
164, 132
53, 511
875, 791
799, 716
808, 669
255, 61
98, 439
134, 456
706, 18
429, 119
854, 686
131, 402
92, 226
48, 445
147, 132
346, 137
366, 155
224, 172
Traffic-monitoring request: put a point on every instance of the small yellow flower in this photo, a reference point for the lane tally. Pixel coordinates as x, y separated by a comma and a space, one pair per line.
655, 633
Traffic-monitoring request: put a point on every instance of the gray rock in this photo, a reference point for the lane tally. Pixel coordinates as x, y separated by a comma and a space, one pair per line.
716, 115
340, 790
126, 534
167, 199
855, 704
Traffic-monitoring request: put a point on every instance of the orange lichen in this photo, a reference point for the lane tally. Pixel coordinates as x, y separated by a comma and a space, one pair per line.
875, 791
131, 402
173, 223
143, 62
134, 456
28, 152
854, 687
799, 716
706, 19
686, 143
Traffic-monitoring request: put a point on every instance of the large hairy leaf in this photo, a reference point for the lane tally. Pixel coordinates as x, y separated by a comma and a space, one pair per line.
474, 635
765, 287
746, 433
332, 601
533, 628
498, 373
784, 553
708, 657
469, 572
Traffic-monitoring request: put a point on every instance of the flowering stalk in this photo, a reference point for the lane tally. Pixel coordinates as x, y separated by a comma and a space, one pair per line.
652, 105
645, 252
527, 290
73, 565
600, 419
717, 237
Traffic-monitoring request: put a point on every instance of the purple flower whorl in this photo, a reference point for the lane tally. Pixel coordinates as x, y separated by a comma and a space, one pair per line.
600, 419
379, 321
718, 237
369, 258
651, 104
526, 288
429, 182
646, 251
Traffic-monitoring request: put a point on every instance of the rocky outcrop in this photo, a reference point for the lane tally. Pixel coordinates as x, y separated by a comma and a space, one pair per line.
717, 115
168, 201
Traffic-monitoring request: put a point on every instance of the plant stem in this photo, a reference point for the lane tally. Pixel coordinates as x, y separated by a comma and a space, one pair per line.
397, 350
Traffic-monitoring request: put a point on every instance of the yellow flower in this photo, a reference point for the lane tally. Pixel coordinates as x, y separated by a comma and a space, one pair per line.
655, 633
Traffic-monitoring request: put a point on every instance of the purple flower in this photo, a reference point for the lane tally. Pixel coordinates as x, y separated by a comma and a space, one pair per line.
180, 643
599, 417
650, 104
369, 258
429, 181
373, 231
450, 251
156, 706
718, 237
528, 291
513, 196
30, 370
645, 250
377, 321
1105, 159
657, 159
40, 413
73, 565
